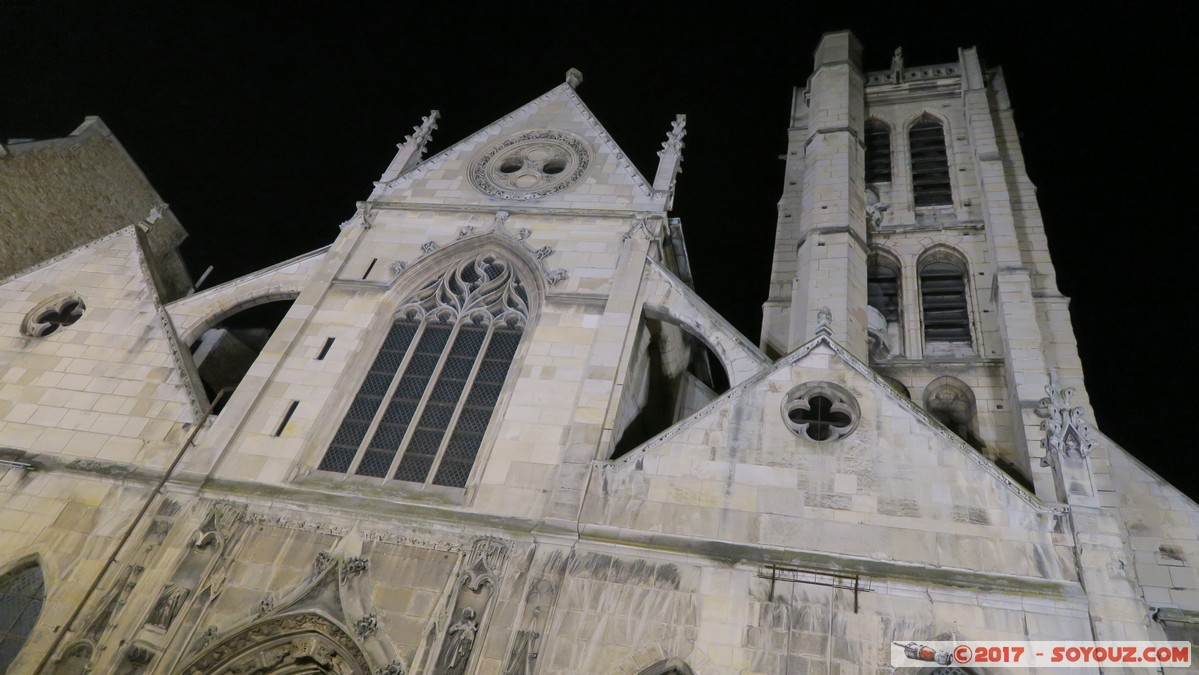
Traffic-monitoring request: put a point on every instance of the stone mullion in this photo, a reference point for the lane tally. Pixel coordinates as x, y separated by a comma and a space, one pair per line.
466, 389
420, 405
386, 401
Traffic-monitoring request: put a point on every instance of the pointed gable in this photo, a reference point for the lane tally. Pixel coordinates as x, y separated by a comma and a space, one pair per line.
595, 173
891, 491
110, 383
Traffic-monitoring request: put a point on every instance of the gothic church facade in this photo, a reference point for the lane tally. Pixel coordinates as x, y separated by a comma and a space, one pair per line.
492, 432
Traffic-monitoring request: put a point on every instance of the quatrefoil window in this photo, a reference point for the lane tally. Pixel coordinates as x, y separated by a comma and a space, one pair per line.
821, 411
54, 313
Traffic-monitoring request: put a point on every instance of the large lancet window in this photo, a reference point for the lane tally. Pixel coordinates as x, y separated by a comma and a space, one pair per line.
878, 152
930, 165
943, 299
22, 592
424, 407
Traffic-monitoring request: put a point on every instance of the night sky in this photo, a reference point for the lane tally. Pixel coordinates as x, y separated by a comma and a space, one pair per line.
263, 123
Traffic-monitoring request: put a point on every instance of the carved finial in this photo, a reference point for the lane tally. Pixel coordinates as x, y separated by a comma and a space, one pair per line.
670, 159
423, 132
674, 137
1066, 430
897, 66
574, 77
824, 319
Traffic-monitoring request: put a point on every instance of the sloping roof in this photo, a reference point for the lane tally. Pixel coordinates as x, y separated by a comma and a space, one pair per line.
58, 194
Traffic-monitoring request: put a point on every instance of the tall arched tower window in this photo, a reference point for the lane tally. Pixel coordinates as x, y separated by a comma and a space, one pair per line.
878, 152
884, 327
930, 164
943, 301
22, 593
424, 407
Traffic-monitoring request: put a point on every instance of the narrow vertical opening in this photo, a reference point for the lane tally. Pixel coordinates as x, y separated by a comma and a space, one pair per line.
291, 409
325, 349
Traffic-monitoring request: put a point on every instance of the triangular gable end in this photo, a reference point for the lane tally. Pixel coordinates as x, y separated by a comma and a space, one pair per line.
123, 315
826, 344
453, 176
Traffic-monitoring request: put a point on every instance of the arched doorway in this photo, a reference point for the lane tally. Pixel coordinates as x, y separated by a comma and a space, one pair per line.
295, 644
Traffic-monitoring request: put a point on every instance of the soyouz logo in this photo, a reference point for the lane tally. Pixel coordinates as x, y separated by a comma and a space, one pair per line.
1041, 654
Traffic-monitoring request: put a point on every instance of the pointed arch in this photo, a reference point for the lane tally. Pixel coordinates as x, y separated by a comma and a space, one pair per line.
305, 642
427, 401
878, 150
944, 275
671, 666
884, 299
22, 594
931, 183
953, 404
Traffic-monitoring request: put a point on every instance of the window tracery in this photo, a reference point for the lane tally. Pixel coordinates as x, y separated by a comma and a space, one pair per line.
54, 313
820, 411
421, 413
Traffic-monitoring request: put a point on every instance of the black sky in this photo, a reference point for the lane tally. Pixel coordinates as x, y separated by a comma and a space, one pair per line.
263, 123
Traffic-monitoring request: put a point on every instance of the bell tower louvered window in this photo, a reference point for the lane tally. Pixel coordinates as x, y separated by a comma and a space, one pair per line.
22, 593
878, 152
930, 165
943, 300
882, 288
424, 407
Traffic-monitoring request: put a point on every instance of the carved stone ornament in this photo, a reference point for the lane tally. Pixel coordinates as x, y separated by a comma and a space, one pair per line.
397, 267
674, 137
396, 667
1066, 430
824, 319
555, 276
460, 642
874, 209
291, 643
367, 625
428, 247
487, 556
168, 605
422, 133
53, 313
139, 654
531, 165
353, 567
322, 562
482, 289
265, 605
465, 231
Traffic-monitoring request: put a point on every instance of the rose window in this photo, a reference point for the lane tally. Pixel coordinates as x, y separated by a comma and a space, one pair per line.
531, 165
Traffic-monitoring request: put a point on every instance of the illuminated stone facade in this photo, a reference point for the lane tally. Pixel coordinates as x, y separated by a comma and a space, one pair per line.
905, 456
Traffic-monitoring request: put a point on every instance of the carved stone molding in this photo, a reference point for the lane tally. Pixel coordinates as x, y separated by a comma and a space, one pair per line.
1066, 430
282, 643
531, 165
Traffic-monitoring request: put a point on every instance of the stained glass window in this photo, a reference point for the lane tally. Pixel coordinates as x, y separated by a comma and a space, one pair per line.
22, 593
422, 411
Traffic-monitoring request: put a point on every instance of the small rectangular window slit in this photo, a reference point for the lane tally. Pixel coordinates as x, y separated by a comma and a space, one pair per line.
325, 349
291, 409
370, 267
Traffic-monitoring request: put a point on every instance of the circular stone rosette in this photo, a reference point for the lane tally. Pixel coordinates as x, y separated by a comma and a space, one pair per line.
531, 165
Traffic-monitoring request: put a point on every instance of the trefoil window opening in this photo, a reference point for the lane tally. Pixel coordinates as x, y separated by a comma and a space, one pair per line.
422, 411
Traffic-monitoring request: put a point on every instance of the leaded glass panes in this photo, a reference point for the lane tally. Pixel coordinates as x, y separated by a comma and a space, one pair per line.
22, 592
443, 364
